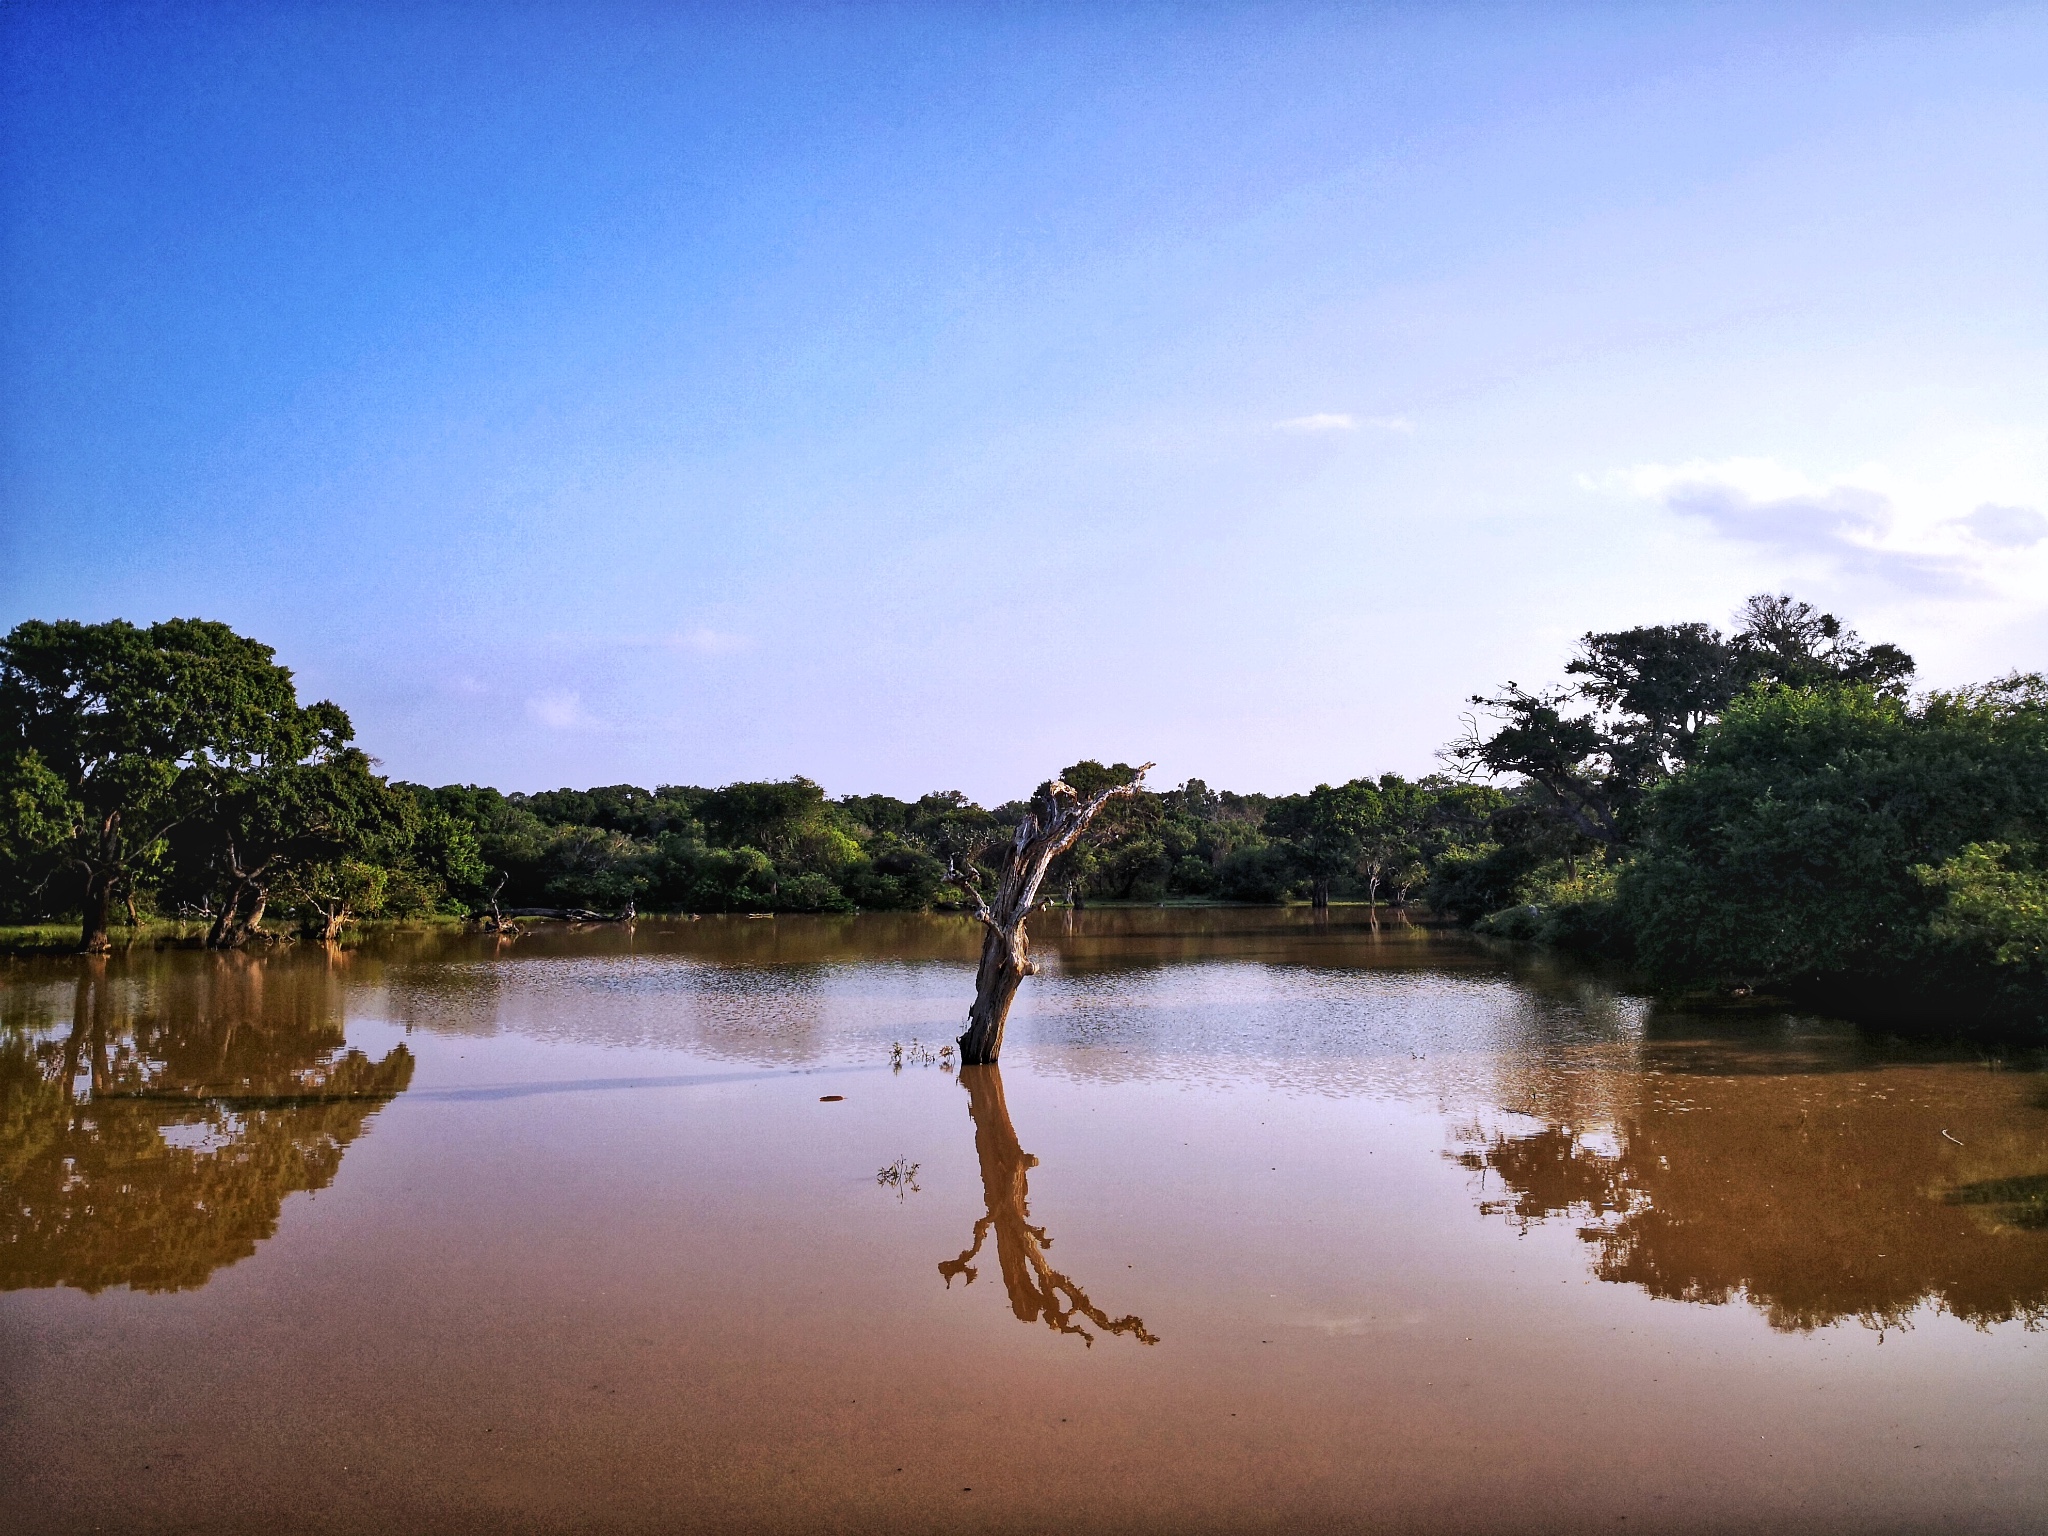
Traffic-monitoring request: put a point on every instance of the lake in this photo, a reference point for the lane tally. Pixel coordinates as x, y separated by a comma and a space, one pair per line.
1265, 1222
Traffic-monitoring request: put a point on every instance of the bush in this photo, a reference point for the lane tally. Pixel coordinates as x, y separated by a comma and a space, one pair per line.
811, 893
1256, 874
728, 880
1468, 884
897, 878
1824, 837
1572, 910
1993, 920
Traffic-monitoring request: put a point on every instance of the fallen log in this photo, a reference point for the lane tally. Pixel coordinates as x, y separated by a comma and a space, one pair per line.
625, 914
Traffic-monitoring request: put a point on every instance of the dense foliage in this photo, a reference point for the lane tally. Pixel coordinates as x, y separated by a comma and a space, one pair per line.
787, 847
1767, 808
1839, 837
1772, 811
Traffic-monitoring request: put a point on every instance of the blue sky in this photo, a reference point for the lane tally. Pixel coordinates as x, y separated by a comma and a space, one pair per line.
928, 396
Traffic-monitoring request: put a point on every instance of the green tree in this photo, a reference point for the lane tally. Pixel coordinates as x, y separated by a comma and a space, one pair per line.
1826, 837
111, 736
1390, 836
296, 827
1590, 751
1329, 831
1996, 914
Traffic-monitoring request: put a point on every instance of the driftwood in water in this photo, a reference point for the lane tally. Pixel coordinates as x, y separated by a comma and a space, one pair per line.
1047, 831
625, 914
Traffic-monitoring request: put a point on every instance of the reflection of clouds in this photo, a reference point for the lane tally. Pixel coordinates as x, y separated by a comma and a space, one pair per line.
1131, 992
776, 1014
1330, 1032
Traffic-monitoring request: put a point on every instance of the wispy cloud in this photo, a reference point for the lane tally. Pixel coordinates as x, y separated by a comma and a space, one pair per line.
709, 642
1854, 528
2005, 527
1342, 421
560, 711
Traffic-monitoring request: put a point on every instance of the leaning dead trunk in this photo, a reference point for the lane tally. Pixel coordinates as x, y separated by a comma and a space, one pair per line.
241, 917
333, 917
1045, 833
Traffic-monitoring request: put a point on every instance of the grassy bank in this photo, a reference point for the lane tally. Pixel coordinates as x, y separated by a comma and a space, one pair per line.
62, 938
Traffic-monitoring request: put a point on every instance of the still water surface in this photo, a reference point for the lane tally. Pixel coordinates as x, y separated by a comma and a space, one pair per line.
1264, 1223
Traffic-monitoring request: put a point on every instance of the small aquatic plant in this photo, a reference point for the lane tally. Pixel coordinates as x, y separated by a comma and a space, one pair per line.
900, 1176
916, 1054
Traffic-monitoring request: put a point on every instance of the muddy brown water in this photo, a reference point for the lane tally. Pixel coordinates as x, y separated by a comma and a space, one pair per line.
1263, 1224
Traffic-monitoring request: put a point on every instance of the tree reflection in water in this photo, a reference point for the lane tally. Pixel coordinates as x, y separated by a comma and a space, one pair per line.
1038, 1292
150, 1148
1817, 1197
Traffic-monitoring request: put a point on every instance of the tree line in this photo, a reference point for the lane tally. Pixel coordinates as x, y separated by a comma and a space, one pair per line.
1770, 807
172, 772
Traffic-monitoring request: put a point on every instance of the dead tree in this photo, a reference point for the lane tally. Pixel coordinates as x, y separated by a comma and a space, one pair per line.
1048, 830
241, 913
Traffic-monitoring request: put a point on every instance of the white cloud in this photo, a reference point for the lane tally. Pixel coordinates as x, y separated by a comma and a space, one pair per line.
560, 712
1856, 524
1399, 424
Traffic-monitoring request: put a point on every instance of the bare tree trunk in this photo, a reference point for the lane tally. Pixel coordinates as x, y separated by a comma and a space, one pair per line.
1005, 963
103, 874
332, 920
1319, 894
240, 915
99, 902
1046, 832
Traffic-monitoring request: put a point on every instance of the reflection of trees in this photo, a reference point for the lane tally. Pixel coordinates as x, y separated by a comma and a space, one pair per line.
1815, 1197
1038, 1292
150, 1149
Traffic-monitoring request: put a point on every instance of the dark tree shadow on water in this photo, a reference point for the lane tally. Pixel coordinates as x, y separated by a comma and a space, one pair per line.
1038, 1292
